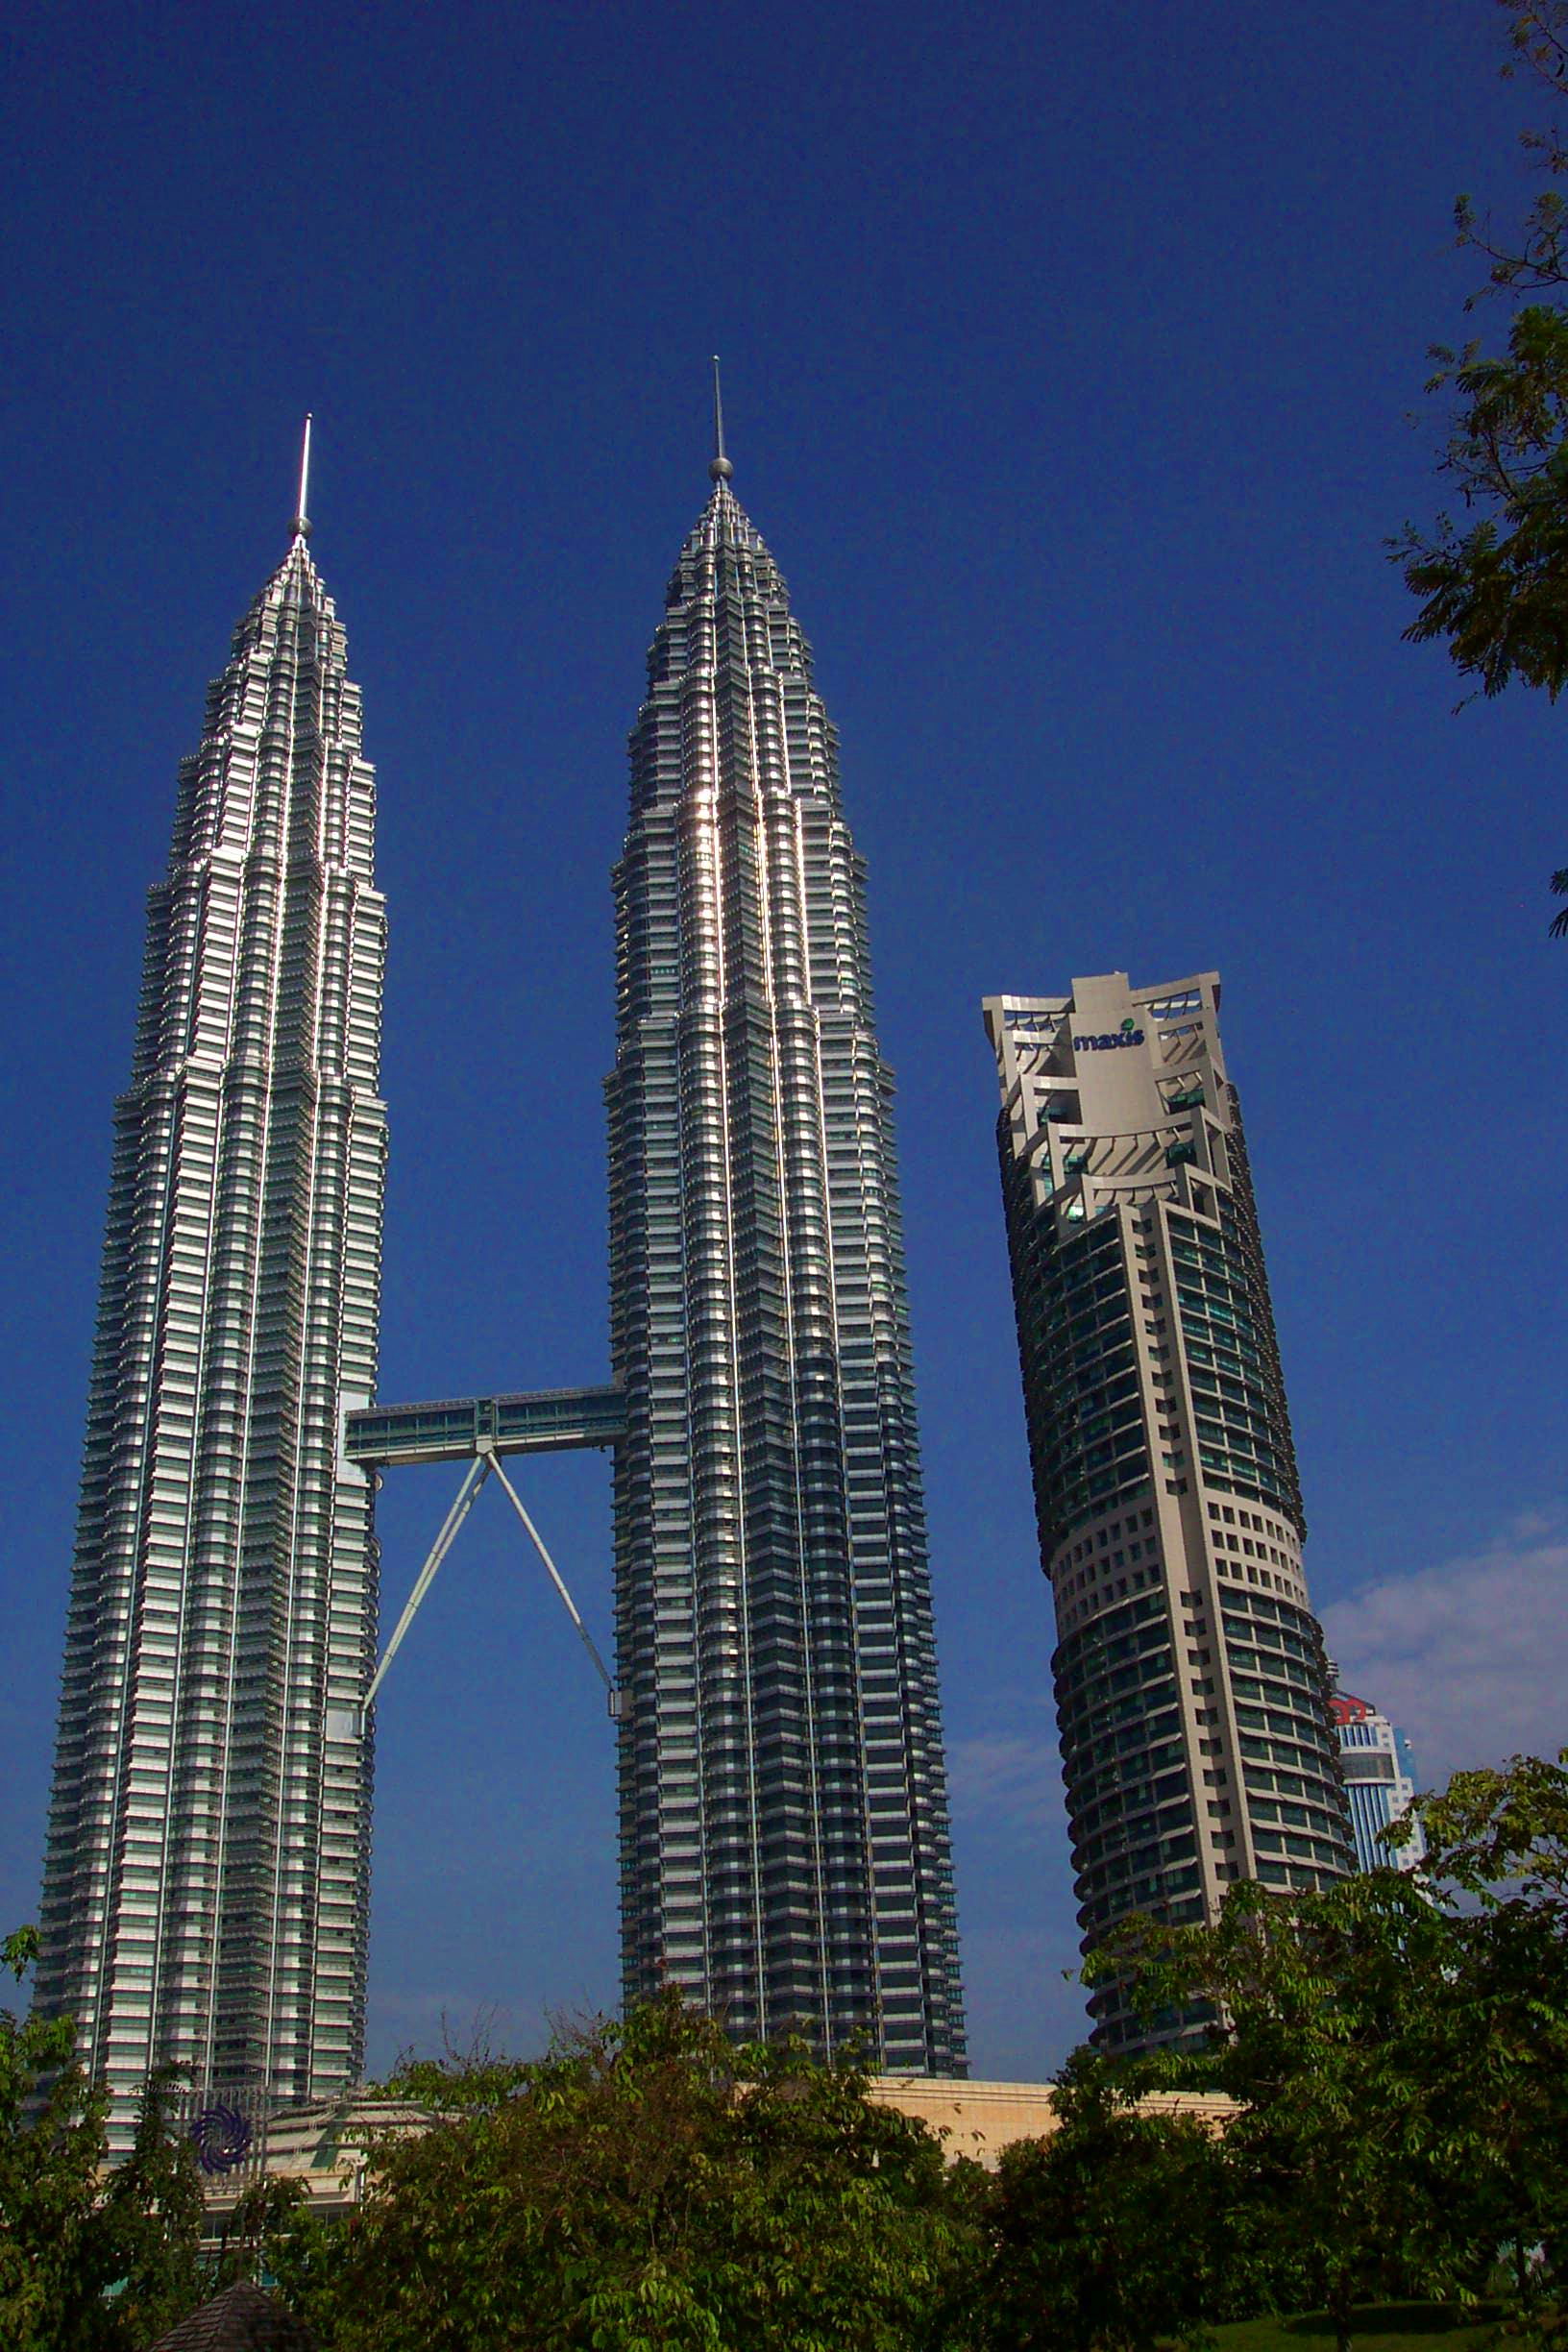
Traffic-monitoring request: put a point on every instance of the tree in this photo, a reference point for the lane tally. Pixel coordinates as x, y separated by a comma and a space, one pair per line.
263, 2219
645, 2185
1496, 588
1497, 1843
1334, 2037
1501, 1837
1398, 2046
85, 2268
1116, 2233
53, 2266
150, 2216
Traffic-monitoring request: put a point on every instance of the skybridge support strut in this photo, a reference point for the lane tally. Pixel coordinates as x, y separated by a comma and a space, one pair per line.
468, 1494
349, 1723
588, 1643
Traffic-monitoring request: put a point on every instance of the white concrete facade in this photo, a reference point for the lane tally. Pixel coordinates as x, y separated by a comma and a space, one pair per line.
1191, 1686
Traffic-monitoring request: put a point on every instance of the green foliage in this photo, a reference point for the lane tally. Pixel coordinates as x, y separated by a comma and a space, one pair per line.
1499, 1840
1118, 2233
86, 2268
1337, 2042
1397, 2048
54, 2265
1495, 588
645, 2185
1401, 2061
1536, 46
266, 2218
1499, 1836
151, 2217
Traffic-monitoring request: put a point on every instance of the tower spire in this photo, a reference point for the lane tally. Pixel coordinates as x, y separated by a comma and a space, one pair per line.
301, 518
721, 469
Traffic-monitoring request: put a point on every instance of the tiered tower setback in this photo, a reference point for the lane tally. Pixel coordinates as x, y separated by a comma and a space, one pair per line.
784, 1839
205, 1886
1192, 1689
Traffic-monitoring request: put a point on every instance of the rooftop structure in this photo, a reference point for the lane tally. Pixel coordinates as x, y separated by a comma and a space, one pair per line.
330, 2152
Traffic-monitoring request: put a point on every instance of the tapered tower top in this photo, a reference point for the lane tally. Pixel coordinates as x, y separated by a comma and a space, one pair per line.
721, 468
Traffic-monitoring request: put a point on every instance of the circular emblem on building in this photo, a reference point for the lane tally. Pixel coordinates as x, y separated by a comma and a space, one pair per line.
1129, 1023
222, 2139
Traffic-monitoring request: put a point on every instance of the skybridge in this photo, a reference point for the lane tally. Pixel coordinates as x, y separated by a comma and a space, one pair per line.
544, 1421
479, 1431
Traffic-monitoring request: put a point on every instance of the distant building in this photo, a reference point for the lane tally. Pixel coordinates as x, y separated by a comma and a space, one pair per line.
1191, 1688
1379, 1774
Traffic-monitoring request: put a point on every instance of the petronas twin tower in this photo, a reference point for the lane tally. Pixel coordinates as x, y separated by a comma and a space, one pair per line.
206, 1878
784, 1845
783, 1807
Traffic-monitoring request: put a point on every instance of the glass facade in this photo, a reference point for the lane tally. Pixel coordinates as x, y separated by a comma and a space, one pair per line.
205, 1882
784, 1838
1190, 1683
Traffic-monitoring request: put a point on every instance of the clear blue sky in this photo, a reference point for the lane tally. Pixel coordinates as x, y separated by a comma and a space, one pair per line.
1069, 358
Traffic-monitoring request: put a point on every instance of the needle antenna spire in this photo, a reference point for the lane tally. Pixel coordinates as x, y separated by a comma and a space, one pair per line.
301, 517
721, 469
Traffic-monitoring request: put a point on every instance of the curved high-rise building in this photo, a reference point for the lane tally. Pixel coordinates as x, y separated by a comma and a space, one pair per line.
205, 1883
784, 1839
1191, 1688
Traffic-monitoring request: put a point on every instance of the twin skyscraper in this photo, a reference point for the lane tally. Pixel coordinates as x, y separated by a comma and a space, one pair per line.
785, 1853
784, 1837
783, 1800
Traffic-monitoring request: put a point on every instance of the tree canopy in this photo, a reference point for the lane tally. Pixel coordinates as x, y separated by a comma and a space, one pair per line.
645, 2185
1400, 2060
84, 2267
1493, 584
1082, 2228
1396, 2046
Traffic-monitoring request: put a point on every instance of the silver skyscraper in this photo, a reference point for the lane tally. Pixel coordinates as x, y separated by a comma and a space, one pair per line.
204, 1891
784, 1840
